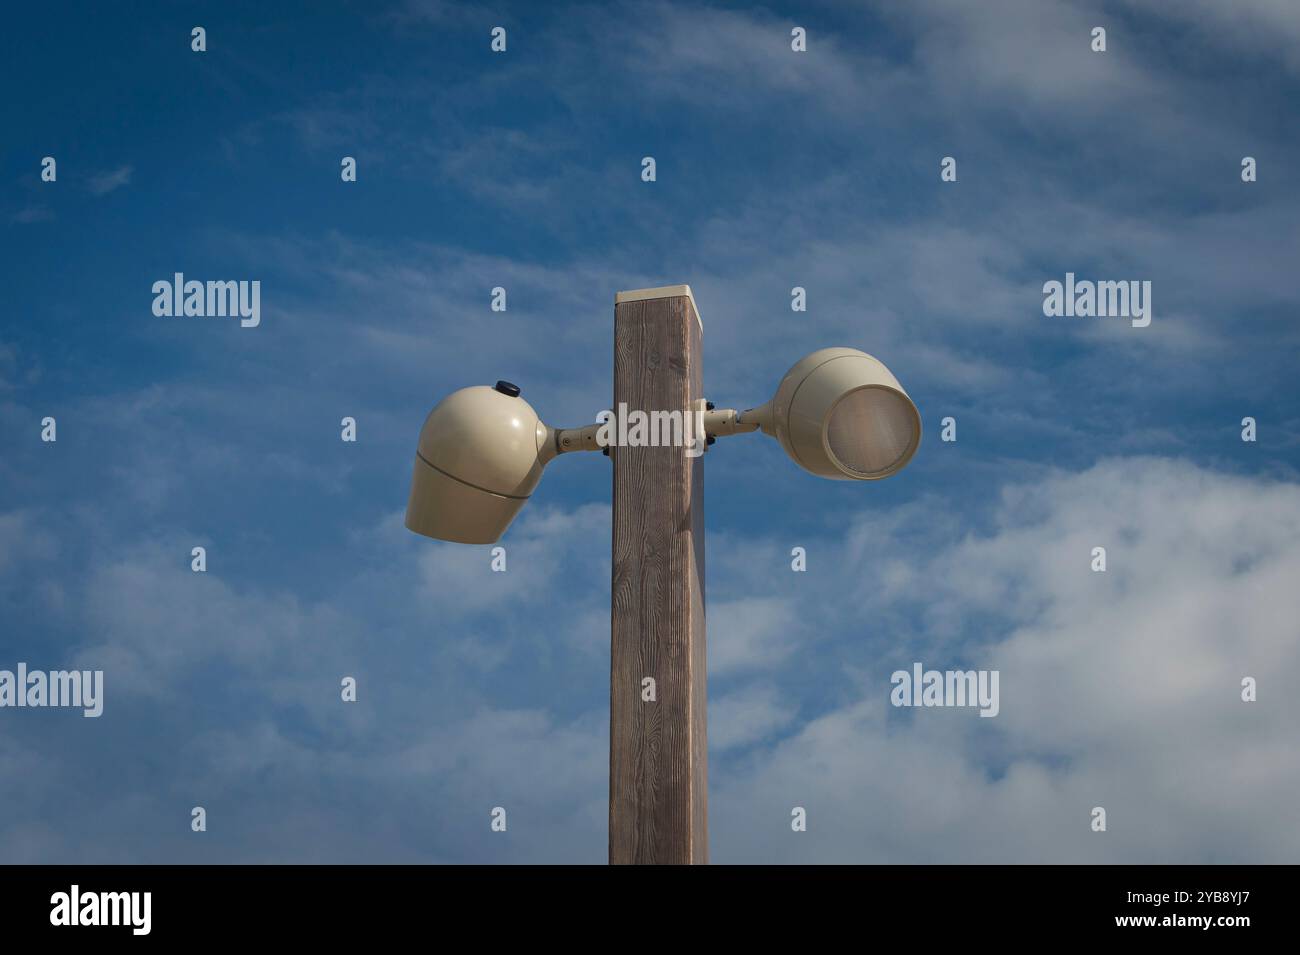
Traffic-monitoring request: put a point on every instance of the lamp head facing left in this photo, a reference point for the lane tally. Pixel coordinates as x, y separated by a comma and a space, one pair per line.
478, 460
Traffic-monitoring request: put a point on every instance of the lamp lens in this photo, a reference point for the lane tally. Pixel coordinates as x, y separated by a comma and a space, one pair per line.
871, 429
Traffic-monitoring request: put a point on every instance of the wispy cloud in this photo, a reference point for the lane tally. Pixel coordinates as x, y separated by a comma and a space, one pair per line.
30, 214
105, 182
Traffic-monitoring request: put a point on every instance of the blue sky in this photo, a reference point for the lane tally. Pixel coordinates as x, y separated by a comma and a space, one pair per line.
775, 169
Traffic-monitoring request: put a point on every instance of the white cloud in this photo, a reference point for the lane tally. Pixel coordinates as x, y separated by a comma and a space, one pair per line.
747, 716
1245, 26
1119, 689
1034, 53
750, 633
23, 539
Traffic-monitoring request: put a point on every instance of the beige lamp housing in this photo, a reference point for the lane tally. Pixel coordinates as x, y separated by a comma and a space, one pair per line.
478, 460
841, 414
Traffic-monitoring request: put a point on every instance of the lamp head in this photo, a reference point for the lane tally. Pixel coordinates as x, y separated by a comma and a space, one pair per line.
840, 414
478, 460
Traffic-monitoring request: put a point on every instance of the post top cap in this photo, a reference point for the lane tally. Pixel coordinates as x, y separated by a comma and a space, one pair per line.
663, 291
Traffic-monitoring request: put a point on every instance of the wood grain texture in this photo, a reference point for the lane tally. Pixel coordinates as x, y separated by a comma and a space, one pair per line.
658, 754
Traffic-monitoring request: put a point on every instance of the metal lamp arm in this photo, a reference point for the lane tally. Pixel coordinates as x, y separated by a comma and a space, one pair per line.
718, 422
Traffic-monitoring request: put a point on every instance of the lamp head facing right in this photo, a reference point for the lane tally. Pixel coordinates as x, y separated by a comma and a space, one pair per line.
841, 414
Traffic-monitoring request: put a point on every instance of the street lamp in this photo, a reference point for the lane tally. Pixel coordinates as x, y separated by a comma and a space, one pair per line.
839, 413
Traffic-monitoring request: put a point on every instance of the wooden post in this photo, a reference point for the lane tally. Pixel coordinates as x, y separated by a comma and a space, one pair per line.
658, 754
